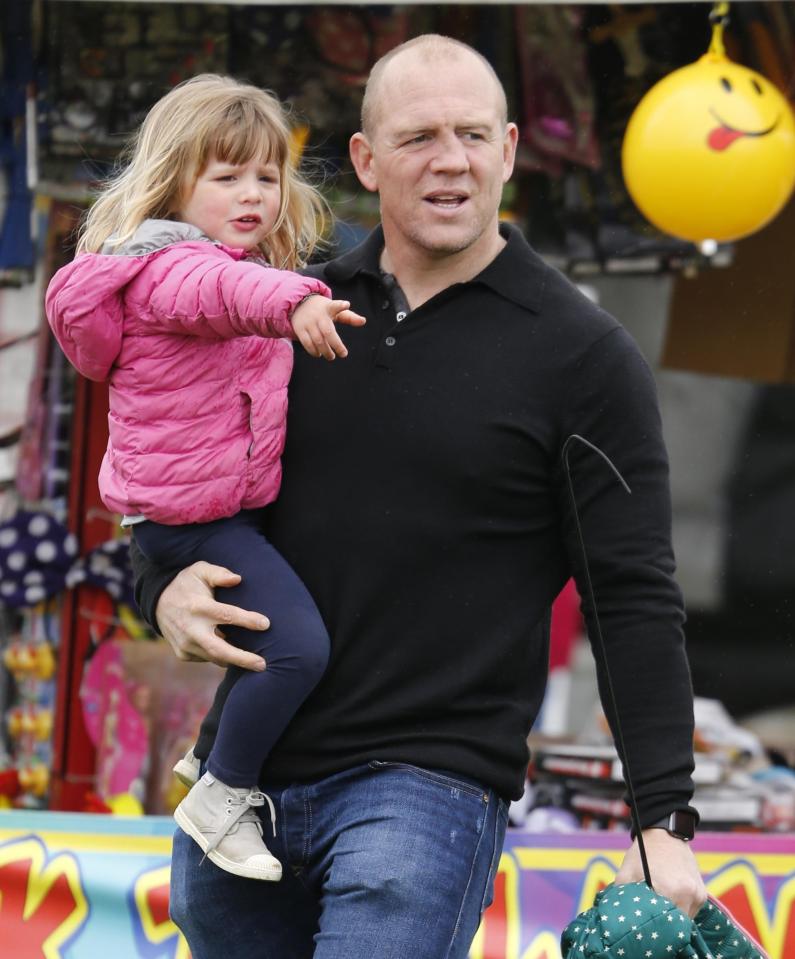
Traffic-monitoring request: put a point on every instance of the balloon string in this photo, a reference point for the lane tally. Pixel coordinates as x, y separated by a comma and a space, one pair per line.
719, 17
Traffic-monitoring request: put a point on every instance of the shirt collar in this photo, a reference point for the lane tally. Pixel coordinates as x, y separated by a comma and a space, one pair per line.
517, 272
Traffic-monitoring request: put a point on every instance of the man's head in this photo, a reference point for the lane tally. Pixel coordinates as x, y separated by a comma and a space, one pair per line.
436, 145
430, 49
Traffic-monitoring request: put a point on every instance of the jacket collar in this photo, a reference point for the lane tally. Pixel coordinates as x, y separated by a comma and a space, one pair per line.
517, 273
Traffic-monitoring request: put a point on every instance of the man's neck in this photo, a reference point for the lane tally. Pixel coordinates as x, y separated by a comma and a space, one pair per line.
421, 276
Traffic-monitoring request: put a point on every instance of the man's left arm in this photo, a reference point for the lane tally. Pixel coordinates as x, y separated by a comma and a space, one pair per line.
630, 559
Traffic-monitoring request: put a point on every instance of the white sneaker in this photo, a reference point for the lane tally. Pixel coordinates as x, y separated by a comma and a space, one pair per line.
187, 769
223, 821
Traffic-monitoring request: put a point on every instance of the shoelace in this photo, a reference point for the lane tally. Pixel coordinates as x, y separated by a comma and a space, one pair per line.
244, 812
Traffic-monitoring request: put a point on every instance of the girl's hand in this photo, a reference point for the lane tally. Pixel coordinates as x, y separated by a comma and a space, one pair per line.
313, 321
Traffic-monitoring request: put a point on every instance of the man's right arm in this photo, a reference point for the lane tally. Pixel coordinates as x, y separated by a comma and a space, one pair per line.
182, 608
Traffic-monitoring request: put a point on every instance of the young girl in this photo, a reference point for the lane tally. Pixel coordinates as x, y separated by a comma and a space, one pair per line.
174, 297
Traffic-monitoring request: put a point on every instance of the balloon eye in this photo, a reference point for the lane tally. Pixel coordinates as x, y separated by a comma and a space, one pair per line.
726, 84
756, 85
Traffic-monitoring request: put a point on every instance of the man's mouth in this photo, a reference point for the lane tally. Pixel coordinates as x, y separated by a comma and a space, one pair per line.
724, 135
447, 201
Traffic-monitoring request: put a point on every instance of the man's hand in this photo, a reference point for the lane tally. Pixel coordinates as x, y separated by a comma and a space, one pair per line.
673, 869
313, 321
188, 617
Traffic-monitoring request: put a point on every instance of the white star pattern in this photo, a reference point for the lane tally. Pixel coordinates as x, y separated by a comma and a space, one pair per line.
636, 899
655, 935
681, 935
603, 918
620, 918
638, 912
653, 902
639, 936
620, 952
648, 954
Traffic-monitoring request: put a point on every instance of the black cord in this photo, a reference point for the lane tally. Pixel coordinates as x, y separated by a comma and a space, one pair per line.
633, 805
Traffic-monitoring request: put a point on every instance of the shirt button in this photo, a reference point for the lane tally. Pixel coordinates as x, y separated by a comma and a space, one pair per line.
401, 316
390, 341
385, 305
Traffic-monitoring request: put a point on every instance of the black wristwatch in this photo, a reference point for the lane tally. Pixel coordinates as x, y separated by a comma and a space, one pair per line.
680, 824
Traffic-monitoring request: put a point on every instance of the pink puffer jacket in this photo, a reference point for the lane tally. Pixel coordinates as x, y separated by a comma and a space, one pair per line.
192, 338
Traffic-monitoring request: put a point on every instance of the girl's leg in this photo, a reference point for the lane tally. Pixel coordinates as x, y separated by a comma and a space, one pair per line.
295, 648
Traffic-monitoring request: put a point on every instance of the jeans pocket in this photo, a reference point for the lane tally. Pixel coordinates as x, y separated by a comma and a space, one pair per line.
500, 825
441, 777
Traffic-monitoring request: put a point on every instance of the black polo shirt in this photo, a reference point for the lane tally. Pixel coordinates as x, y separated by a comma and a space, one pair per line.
424, 505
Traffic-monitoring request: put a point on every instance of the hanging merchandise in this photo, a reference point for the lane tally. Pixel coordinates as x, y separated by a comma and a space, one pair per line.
558, 110
36, 554
709, 153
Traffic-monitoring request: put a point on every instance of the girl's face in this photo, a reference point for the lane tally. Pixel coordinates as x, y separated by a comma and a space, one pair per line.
237, 205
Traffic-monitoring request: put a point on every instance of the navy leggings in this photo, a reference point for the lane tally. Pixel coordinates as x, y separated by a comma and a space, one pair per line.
295, 648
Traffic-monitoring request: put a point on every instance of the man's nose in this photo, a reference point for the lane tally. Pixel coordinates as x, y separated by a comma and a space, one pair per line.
450, 155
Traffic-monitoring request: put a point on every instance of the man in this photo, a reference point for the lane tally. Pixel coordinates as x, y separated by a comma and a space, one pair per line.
424, 504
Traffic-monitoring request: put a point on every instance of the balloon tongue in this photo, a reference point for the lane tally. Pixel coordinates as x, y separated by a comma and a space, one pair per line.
722, 137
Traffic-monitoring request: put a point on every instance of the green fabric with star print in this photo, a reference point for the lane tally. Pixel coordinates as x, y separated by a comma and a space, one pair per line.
634, 922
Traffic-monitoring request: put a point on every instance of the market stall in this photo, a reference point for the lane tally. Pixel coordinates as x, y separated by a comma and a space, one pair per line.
96, 709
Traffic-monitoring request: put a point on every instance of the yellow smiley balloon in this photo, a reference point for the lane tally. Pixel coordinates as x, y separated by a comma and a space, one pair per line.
709, 152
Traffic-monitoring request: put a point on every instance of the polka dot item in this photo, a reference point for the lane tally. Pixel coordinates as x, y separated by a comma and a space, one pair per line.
107, 566
36, 552
38, 559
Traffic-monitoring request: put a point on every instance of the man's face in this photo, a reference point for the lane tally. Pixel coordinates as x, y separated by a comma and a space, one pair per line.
438, 155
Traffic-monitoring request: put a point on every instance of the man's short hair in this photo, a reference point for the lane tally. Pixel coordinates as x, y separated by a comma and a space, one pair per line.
429, 46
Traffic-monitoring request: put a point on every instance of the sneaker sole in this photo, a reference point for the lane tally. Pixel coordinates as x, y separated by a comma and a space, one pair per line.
269, 874
186, 773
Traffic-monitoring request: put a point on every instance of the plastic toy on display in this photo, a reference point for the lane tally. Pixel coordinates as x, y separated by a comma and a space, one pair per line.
30, 661
709, 152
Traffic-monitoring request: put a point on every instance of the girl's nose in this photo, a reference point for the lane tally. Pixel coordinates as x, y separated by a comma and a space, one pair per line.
250, 189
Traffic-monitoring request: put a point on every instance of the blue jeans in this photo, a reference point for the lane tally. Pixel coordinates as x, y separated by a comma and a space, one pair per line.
382, 861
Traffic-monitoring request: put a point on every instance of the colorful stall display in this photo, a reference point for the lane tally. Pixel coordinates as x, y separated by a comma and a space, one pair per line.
73, 886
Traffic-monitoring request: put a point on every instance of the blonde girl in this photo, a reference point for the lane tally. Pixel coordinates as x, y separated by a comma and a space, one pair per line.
181, 295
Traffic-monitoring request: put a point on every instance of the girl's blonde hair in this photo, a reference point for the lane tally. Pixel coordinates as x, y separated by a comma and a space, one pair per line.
207, 117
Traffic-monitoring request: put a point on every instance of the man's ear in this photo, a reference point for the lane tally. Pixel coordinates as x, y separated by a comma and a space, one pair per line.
362, 159
509, 143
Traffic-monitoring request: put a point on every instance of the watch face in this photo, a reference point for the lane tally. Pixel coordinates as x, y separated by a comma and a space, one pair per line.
682, 824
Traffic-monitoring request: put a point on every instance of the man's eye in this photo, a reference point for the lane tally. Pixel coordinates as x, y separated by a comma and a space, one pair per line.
420, 138
472, 135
